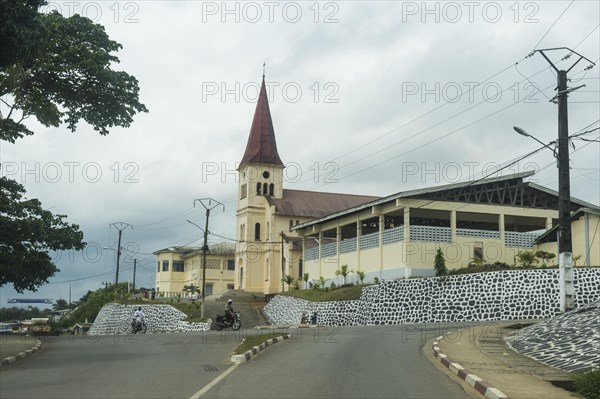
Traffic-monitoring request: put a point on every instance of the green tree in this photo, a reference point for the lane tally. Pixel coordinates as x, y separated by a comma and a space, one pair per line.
28, 232
57, 70
288, 280
60, 304
527, 258
305, 279
361, 276
439, 263
344, 272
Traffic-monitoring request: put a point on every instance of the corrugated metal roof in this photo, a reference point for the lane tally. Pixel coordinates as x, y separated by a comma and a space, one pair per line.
420, 192
315, 204
261, 146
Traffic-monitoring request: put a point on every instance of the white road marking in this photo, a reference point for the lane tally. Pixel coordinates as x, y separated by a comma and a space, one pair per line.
214, 382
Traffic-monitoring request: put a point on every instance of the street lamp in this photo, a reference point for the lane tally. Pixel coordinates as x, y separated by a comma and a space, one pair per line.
522, 132
565, 256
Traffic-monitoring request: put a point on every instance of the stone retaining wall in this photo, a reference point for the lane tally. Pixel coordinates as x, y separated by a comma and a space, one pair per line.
502, 295
115, 318
570, 342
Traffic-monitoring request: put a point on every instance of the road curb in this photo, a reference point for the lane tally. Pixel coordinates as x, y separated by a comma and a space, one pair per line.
473, 380
244, 357
11, 359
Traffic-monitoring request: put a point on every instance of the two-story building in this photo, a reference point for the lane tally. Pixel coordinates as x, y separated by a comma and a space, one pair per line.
177, 267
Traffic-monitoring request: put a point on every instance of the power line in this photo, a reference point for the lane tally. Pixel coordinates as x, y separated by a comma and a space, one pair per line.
551, 26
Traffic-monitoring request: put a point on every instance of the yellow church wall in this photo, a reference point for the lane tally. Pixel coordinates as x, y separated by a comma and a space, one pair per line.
579, 240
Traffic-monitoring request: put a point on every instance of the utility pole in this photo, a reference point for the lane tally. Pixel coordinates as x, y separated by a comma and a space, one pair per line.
120, 226
134, 267
565, 246
208, 205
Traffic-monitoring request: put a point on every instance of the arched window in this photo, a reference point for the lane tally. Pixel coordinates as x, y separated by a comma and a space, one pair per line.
257, 232
258, 187
265, 189
291, 224
271, 189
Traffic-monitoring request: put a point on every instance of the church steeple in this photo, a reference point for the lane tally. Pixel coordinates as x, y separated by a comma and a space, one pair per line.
261, 147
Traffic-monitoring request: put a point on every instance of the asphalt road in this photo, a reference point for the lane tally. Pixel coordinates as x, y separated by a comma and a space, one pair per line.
132, 366
350, 362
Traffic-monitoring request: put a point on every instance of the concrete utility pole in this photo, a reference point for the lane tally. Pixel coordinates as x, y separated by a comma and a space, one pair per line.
565, 247
120, 226
134, 267
208, 204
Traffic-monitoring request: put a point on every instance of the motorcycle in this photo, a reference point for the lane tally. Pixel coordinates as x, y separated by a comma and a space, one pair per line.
221, 322
138, 326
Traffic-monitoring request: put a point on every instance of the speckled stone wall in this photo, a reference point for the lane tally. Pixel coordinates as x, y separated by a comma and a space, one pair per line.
570, 342
116, 319
503, 295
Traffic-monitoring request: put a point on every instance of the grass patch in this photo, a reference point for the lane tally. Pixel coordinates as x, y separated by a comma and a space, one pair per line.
255, 340
324, 295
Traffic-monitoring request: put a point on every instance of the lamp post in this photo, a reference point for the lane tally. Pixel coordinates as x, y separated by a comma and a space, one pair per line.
565, 259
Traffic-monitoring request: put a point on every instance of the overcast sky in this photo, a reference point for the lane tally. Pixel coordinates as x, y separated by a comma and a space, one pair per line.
365, 99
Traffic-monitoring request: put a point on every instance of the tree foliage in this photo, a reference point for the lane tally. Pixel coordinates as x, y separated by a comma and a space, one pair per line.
28, 232
344, 272
439, 263
58, 70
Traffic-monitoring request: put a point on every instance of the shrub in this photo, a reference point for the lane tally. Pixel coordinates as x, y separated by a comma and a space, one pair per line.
588, 384
439, 263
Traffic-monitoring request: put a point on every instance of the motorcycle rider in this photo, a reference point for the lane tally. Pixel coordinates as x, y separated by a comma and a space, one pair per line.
138, 316
229, 313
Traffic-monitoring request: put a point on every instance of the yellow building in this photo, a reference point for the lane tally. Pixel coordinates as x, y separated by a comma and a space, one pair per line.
177, 267
585, 226
266, 249
489, 221
291, 232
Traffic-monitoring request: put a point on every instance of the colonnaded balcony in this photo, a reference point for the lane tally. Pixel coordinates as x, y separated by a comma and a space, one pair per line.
388, 241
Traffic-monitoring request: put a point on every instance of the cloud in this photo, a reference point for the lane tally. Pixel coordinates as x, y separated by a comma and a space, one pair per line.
354, 63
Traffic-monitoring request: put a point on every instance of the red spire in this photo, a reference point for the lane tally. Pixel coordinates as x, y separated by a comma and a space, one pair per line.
261, 147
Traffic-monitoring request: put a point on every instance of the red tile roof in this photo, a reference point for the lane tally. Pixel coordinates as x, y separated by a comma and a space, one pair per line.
315, 204
261, 147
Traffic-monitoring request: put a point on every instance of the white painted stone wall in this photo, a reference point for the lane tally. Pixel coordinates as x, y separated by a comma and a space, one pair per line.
570, 342
115, 318
503, 295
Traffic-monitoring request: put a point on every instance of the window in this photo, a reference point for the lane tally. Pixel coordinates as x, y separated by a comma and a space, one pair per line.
258, 188
257, 232
208, 289
291, 224
229, 286
300, 274
178, 266
158, 266
230, 264
478, 251
271, 189
165, 265
244, 191
265, 188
